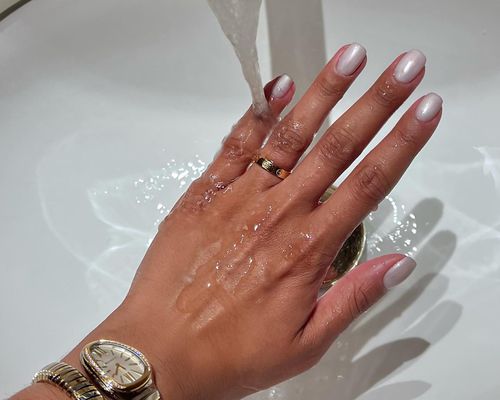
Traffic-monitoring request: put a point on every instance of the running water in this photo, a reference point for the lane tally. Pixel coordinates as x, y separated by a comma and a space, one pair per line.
239, 20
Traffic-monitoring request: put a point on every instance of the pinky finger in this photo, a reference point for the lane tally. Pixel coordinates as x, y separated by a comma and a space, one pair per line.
247, 136
352, 295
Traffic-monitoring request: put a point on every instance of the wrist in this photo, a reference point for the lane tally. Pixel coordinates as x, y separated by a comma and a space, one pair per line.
40, 391
124, 326
130, 325
179, 371
184, 367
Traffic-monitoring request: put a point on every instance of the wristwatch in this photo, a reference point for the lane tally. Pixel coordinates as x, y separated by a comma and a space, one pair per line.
121, 371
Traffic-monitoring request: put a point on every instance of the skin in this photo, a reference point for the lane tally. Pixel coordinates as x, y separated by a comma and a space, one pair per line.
225, 301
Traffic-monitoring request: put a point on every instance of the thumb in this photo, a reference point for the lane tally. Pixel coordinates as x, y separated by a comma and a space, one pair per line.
353, 294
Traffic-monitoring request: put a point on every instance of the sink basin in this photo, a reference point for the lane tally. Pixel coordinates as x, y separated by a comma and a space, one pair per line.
108, 110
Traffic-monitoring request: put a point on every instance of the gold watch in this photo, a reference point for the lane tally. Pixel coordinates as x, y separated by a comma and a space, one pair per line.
119, 370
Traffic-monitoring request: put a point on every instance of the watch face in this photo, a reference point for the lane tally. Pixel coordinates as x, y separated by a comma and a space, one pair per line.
118, 366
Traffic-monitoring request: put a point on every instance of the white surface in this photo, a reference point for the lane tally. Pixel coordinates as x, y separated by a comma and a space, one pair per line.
4, 4
97, 97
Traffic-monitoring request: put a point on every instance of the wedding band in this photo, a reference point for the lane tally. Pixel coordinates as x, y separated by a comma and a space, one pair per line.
269, 166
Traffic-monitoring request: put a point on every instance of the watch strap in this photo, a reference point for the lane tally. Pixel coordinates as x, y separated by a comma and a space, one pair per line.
70, 380
148, 393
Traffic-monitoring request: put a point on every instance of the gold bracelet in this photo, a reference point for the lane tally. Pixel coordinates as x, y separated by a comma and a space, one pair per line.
72, 381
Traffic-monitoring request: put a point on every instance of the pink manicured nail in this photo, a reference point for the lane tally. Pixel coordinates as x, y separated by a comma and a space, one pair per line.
409, 66
281, 87
399, 272
351, 59
429, 107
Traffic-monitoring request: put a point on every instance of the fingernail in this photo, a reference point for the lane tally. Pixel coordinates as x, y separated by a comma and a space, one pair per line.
429, 107
409, 66
351, 59
281, 87
399, 272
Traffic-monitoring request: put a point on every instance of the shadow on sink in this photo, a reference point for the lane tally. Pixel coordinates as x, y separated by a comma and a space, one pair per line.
416, 317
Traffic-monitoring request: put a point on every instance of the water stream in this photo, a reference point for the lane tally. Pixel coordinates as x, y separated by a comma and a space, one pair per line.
239, 20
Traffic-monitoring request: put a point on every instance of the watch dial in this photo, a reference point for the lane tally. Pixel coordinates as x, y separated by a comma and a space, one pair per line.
118, 363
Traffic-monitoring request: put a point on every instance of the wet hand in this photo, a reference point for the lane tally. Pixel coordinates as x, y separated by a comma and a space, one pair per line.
225, 301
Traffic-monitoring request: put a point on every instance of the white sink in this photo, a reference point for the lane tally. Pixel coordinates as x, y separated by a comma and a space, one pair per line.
109, 109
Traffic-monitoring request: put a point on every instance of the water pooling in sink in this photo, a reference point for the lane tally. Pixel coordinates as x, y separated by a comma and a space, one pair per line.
239, 20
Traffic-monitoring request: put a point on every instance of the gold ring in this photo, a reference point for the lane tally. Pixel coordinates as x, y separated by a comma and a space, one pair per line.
269, 166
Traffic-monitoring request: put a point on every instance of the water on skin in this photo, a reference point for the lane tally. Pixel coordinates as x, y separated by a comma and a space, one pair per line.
239, 20
216, 282
235, 270
237, 266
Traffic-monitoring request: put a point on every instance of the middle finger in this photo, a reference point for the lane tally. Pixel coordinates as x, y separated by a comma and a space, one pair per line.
290, 138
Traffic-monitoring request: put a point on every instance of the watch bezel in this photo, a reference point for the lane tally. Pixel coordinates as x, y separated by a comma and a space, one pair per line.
107, 383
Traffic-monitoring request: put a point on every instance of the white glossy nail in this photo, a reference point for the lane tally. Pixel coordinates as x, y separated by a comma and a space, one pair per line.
399, 272
409, 66
281, 87
351, 59
429, 107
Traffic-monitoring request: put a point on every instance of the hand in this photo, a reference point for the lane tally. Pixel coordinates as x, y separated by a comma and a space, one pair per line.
225, 300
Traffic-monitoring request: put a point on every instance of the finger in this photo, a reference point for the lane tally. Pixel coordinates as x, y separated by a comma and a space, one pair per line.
380, 170
247, 136
352, 295
350, 134
293, 135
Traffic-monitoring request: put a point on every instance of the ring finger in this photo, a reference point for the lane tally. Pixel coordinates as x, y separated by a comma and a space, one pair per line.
246, 138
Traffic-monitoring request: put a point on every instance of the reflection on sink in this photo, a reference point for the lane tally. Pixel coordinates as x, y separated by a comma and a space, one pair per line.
359, 363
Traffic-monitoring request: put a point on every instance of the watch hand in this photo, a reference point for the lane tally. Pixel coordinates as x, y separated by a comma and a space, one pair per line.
116, 370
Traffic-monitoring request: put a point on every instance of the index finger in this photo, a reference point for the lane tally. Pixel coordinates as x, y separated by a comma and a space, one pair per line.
380, 170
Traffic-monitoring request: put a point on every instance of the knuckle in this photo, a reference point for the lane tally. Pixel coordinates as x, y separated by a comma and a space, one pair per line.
386, 94
192, 203
234, 148
338, 146
289, 138
405, 136
359, 299
197, 197
371, 184
330, 89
